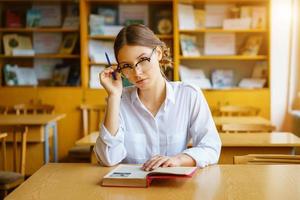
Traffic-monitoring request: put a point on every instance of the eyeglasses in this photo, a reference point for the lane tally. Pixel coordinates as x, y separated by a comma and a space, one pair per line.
143, 64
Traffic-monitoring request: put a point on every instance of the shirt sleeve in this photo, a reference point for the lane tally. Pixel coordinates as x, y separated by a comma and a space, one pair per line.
109, 149
205, 138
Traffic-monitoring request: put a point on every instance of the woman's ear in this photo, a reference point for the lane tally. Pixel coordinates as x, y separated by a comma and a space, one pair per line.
159, 53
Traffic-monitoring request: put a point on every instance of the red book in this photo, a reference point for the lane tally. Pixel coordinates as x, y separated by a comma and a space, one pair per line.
135, 176
13, 19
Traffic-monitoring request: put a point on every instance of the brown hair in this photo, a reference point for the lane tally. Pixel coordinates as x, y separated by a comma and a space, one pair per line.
141, 35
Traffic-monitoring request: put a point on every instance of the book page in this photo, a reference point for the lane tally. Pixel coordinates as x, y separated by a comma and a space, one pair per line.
127, 172
175, 170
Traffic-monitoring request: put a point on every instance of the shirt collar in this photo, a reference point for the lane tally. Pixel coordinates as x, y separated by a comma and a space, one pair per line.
170, 96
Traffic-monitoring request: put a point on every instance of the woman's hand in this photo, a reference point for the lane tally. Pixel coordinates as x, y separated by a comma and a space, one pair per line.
113, 87
161, 161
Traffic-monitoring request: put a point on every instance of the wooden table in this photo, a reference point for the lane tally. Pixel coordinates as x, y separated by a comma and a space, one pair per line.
219, 121
82, 181
234, 144
47, 121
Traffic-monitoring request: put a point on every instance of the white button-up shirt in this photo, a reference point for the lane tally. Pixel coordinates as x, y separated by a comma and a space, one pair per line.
183, 116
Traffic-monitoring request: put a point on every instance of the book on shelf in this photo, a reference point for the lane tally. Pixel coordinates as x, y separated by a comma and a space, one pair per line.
251, 46
71, 22
13, 18
60, 74
68, 44
134, 176
44, 68
194, 76
72, 10
97, 51
186, 17
94, 76
50, 14
252, 83
96, 23
12, 42
259, 14
219, 44
199, 15
237, 24
33, 18
215, 14
23, 52
260, 70
15, 75
161, 19
133, 14
74, 75
188, 44
47, 43
222, 78
110, 14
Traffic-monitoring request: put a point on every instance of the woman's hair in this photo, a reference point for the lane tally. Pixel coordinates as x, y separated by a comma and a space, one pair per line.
140, 35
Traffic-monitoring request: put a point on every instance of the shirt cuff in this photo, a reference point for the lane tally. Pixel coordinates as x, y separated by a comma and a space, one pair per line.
109, 139
199, 155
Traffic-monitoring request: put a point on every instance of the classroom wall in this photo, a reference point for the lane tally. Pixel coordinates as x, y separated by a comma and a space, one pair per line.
280, 51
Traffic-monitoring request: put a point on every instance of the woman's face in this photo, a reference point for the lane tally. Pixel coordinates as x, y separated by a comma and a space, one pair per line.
140, 65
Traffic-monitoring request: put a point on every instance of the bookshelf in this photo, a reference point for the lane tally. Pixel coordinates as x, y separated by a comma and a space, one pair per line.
14, 23
241, 65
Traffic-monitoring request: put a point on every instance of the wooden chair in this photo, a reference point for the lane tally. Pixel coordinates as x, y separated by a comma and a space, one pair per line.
33, 109
266, 159
11, 179
246, 128
231, 110
92, 116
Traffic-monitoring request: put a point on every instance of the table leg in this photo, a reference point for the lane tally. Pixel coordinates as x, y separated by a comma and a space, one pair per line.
46, 145
55, 150
52, 125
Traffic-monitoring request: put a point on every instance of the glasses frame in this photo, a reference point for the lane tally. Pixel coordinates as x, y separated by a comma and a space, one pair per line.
135, 65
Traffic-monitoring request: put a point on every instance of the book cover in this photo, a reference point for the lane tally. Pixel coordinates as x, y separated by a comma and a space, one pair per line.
13, 18
33, 18
222, 78
71, 22
259, 15
15, 41
215, 14
133, 14
94, 76
96, 23
199, 18
47, 43
68, 44
110, 15
50, 15
188, 44
251, 46
135, 176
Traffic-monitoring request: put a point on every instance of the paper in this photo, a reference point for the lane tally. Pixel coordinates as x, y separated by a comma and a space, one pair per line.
26, 76
194, 77
186, 17
252, 83
237, 24
222, 78
219, 44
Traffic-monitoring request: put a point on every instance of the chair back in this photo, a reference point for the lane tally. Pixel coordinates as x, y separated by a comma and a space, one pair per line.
246, 128
17, 167
92, 116
3, 144
33, 109
230, 110
267, 159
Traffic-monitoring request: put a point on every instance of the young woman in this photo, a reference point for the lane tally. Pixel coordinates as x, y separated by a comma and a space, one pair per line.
152, 122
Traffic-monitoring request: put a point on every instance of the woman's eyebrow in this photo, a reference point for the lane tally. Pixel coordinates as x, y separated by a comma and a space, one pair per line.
136, 58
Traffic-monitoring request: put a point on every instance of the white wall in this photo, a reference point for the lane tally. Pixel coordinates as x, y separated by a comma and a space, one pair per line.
280, 50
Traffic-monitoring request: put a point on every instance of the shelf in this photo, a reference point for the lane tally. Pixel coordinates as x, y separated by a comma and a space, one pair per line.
223, 1
38, 1
100, 63
31, 30
39, 87
130, 1
222, 31
259, 57
44, 56
112, 37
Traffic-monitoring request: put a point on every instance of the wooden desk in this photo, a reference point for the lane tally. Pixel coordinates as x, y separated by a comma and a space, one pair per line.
82, 181
46, 121
219, 121
234, 144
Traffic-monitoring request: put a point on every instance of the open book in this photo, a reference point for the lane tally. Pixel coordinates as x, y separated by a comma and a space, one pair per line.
135, 176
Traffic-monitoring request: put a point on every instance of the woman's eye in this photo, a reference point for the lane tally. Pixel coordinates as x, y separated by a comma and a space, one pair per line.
126, 66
